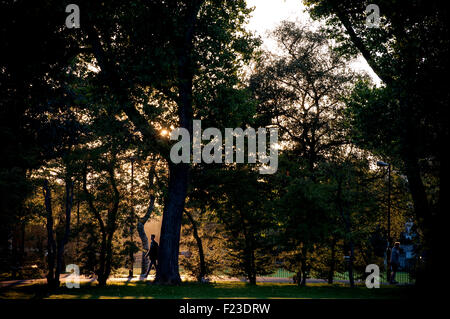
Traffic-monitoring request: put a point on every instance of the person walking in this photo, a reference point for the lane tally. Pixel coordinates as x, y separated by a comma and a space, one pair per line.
152, 254
395, 261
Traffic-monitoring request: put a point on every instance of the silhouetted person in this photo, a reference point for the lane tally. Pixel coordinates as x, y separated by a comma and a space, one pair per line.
152, 254
395, 261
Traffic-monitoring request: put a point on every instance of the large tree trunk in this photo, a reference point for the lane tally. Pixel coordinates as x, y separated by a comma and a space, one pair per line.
302, 282
422, 211
251, 271
431, 223
332, 261
252, 279
167, 270
298, 277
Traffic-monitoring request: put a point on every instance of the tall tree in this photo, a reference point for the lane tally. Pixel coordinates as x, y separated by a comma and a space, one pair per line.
36, 54
239, 200
301, 89
107, 200
156, 58
55, 246
408, 52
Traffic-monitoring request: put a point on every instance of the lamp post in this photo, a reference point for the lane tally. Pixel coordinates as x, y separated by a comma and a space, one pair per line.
388, 249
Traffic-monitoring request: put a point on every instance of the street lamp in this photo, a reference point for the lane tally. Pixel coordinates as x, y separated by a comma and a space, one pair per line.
388, 250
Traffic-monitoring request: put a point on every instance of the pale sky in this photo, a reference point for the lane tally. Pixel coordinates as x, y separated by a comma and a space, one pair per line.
269, 13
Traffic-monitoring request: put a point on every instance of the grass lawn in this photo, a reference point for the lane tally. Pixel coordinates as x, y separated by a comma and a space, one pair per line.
141, 290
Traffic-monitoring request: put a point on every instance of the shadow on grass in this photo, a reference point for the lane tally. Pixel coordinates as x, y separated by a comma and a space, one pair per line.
148, 290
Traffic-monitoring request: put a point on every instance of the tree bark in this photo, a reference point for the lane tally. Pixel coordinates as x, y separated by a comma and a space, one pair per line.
332, 261
418, 194
298, 277
55, 250
252, 270
167, 271
359, 44
302, 282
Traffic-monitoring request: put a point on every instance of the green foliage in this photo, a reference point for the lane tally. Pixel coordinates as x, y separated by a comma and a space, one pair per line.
372, 115
88, 102
407, 119
213, 243
239, 201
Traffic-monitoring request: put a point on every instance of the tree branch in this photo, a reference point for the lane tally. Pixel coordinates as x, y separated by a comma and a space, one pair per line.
357, 41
